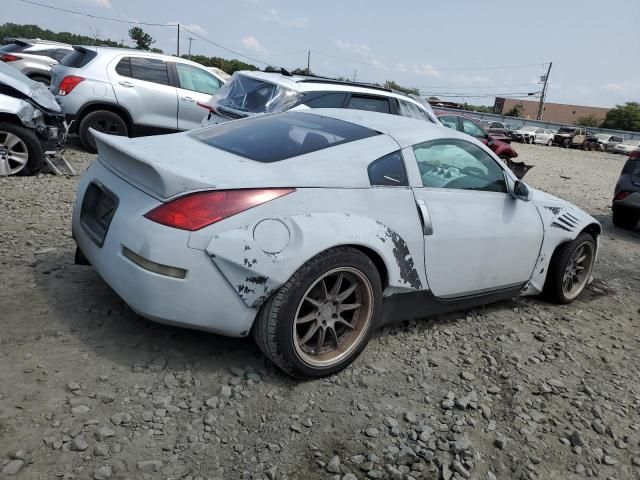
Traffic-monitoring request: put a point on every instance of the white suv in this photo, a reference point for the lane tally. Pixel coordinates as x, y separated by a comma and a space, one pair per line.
255, 93
34, 58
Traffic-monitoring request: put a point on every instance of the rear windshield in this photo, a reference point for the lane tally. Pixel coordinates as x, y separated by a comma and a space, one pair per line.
272, 138
13, 47
78, 58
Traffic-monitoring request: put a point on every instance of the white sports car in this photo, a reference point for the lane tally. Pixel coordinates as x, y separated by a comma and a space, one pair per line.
311, 229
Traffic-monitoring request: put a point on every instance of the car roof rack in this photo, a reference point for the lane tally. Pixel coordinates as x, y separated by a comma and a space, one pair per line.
310, 78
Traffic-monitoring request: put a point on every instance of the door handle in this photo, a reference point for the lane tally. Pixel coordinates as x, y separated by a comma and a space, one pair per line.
427, 226
187, 99
124, 83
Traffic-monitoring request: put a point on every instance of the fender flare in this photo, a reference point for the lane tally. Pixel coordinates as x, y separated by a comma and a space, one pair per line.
255, 274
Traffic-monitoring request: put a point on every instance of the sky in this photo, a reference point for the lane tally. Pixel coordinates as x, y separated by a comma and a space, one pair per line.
449, 49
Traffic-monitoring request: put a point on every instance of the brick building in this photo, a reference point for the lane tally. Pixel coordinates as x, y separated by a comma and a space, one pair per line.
553, 112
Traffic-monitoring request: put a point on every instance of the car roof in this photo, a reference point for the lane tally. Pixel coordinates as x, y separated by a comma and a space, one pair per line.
105, 50
33, 41
405, 130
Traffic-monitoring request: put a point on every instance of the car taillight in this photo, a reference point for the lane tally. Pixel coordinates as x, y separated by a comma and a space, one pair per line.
68, 83
634, 155
622, 195
198, 210
7, 57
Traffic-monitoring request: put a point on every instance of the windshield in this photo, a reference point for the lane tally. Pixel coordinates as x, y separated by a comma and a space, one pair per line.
529, 129
13, 47
271, 138
254, 96
513, 126
565, 130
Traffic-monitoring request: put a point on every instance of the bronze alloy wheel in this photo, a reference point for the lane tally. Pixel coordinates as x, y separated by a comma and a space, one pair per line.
333, 316
578, 270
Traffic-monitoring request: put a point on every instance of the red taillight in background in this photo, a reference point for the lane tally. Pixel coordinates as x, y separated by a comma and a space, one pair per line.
68, 83
634, 155
622, 195
7, 57
198, 210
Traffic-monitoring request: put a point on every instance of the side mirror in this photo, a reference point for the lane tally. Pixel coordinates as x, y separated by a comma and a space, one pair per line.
521, 191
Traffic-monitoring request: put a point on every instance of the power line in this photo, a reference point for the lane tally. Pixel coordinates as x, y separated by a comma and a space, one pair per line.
98, 16
408, 68
479, 86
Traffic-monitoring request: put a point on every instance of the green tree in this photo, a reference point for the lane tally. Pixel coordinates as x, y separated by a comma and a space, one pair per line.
394, 86
302, 71
226, 65
478, 108
588, 121
143, 39
516, 111
624, 117
33, 31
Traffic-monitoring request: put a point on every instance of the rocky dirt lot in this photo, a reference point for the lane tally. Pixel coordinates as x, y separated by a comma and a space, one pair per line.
516, 390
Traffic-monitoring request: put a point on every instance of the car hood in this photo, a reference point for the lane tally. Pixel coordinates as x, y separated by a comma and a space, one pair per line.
556, 211
36, 91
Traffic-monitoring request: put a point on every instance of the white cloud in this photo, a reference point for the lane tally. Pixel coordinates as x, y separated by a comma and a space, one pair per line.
360, 49
252, 43
97, 3
296, 22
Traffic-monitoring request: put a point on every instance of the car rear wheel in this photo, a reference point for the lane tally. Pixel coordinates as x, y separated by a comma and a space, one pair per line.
20, 150
102, 121
566, 143
570, 269
41, 79
625, 217
323, 317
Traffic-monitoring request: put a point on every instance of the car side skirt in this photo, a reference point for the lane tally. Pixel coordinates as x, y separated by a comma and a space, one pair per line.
422, 304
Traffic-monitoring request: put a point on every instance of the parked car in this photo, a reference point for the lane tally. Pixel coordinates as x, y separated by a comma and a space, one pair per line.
471, 127
605, 141
544, 136
130, 92
34, 57
262, 228
626, 147
31, 123
525, 134
256, 93
501, 128
626, 196
574, 137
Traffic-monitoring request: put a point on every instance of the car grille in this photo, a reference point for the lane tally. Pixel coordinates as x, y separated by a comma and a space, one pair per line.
98, 207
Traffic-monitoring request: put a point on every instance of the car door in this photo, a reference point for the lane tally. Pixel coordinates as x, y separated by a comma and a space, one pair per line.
477, 237
144, 86
195, 85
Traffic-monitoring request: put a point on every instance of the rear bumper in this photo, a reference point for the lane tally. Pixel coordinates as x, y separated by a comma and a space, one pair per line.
630, 201
203, 299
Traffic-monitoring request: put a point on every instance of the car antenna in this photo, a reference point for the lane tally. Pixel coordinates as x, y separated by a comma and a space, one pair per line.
285, 72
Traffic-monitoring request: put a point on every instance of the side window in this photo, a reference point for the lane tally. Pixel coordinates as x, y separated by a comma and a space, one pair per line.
408, 109
124, 67
449, 121
196, 79
388, 171
460, 165
149, 70
373, 104
472, 129
329, 100
616, 139
540, 130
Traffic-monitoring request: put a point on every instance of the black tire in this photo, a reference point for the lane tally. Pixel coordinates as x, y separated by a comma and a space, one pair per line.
104, 121
35, 153
553, 288
566, 143
550, 143
625, 217
273, 330
42, 79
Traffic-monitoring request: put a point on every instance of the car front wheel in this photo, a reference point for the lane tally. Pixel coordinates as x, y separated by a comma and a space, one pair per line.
20, 150
322, 318
570, 269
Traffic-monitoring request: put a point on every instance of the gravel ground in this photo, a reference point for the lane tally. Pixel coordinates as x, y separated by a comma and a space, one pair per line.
517, 390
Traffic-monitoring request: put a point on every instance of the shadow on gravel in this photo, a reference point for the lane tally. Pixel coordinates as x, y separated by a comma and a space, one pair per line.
85, 308
632, 235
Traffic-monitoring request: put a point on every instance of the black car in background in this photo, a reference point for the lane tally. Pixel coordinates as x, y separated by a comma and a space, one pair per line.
626, 196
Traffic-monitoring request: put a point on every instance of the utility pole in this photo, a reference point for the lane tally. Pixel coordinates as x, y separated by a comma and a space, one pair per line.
190, 40
544, 93
178, 47
309, 62
355, 70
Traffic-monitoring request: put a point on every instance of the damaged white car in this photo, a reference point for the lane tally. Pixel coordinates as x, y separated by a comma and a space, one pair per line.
311, 229
31, 123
